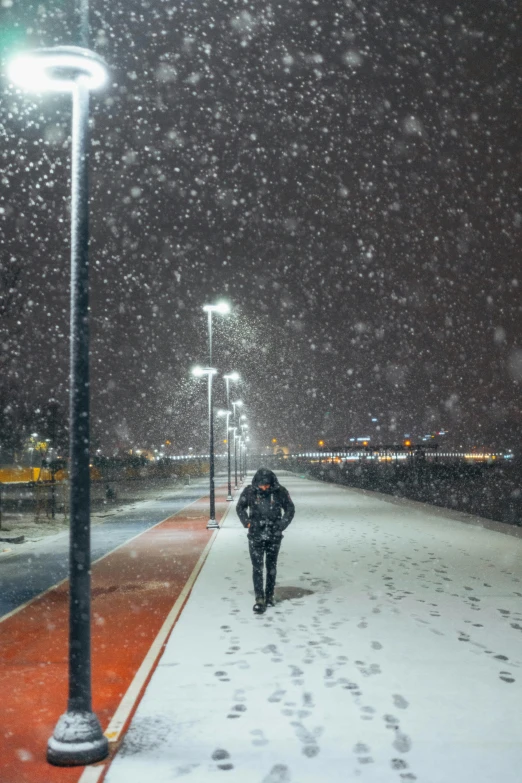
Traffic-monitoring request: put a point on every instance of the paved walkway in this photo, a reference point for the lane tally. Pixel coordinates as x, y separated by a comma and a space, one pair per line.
394, 654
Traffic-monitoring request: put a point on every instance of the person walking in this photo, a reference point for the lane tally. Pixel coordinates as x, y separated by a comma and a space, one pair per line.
266, 509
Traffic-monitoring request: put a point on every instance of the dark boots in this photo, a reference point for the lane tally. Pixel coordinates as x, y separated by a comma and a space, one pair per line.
262, 603
259, 606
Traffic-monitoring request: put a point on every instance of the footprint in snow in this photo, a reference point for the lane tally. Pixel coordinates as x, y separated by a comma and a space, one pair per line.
276, 696
402, 742
259, 738
222, 755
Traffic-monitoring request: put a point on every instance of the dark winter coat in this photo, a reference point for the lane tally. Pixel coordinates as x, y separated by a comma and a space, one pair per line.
265, 513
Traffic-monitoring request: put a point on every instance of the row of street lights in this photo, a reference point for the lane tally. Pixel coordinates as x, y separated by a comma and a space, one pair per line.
238, 430
76, 70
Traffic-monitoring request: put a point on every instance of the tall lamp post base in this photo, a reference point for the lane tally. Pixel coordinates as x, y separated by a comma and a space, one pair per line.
212, 524
77, 740
229, 497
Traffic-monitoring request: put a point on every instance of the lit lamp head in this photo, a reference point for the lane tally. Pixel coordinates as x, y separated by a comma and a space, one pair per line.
232, 376
199, 372
220, 307
57, 69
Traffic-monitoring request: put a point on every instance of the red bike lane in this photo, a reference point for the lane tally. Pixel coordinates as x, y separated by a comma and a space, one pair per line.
134, 588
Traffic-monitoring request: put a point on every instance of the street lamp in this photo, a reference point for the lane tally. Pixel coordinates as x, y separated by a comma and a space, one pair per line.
242, 442
233, 376
233, 430
240, 457
237, 451
236, 404
199, 372
220, 307
77, 737
228, 414
247, 440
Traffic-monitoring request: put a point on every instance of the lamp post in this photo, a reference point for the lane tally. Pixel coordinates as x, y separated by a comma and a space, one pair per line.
244, 428
233, 430
210, 372
233, 376
221, 307
77, 738
227, 414
247, 439
235, 405
238, 453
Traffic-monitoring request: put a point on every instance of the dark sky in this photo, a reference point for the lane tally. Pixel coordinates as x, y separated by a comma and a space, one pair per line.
346, 174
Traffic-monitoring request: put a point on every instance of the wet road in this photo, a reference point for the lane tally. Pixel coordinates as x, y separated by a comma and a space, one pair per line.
37, 566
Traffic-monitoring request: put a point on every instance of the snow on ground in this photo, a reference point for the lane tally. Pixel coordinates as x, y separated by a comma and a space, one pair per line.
38, 524
393, 654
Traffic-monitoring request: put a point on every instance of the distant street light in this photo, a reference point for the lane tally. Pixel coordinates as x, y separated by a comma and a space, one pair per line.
223, 308
199, 372
228, 415
241, 450
233, 431
247, 440
238, 454
244, 428
233, 376
77, 738
236, 405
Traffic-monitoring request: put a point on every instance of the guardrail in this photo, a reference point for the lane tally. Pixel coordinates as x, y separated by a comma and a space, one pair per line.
487, 488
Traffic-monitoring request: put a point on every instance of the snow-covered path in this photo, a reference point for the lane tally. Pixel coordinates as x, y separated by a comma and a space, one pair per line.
394, 654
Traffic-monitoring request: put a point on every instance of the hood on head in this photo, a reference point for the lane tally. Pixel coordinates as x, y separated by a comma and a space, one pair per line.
265, 476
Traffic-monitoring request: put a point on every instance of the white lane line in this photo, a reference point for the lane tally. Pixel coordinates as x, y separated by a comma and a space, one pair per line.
122, 716
53, 587
92, 774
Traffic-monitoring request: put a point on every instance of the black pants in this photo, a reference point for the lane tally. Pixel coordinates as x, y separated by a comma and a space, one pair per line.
258, 547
